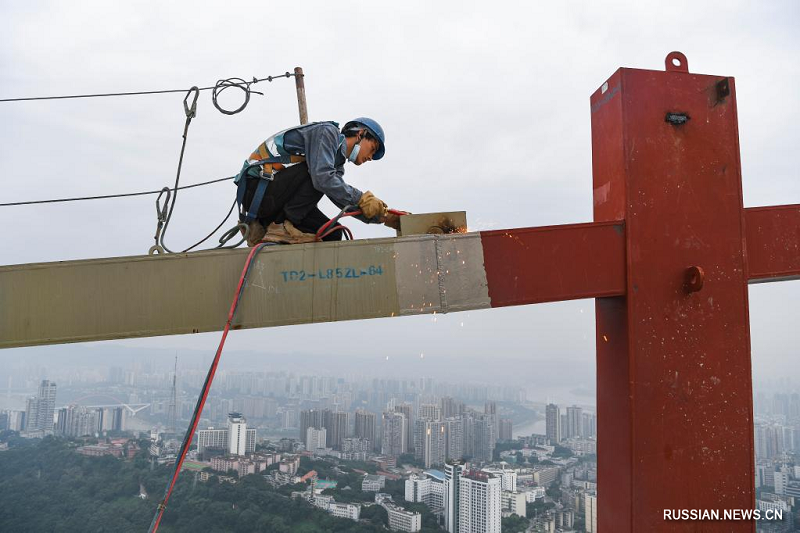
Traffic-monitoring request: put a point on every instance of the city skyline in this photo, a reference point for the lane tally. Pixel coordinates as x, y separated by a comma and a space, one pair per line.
352, 408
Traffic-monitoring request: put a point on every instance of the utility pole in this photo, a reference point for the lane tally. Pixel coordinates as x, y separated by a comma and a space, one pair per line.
300, 84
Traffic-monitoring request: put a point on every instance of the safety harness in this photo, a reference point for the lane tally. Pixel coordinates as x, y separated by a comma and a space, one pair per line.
270, 157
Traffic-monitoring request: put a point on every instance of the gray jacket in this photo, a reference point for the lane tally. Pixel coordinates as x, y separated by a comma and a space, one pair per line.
324, 149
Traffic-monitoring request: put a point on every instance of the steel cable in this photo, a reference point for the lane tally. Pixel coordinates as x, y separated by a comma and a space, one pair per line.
137, 93
108, 196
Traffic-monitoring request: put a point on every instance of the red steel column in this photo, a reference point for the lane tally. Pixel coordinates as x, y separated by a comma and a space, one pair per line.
674, 390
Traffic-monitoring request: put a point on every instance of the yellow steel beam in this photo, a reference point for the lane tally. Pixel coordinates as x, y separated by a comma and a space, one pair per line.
143, 296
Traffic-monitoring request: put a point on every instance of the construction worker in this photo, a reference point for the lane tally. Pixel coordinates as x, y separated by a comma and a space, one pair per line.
286, 176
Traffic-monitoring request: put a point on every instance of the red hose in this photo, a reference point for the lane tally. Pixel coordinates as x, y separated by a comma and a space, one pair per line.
213, 370
336, 228
324, 232
204, 393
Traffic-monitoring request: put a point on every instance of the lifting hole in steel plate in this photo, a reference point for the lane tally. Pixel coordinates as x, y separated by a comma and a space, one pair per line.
676, 62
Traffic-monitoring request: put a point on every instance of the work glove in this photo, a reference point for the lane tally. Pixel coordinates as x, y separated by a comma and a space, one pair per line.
392, 221
371, 206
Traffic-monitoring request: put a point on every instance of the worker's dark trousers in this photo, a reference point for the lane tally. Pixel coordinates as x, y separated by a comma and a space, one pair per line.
291, 196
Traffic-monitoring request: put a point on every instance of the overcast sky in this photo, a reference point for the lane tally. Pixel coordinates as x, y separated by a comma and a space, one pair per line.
485, 106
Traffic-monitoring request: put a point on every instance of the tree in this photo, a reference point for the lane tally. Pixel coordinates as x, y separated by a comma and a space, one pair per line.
514, 524
375, 514
554, 491
504, 446
561, 451
538, 508
397, 488
588, 458
47, 486
429, 520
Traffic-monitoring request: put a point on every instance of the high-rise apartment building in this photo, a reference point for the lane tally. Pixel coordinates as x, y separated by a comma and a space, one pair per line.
468, 428
506, 430
395, 434
574, 427
365, 424
768, 440
430, 411
236, 439
112, 418
290, 418
408, 411
13, 420
316, 439
430, 442
40, 409
453, 471
357, 445
483, 438
553, 423
31, 413
450, 407
454, 433
490, 411
237, 434
77, 421
312, 418
336, 423
479, 503
215, 439
589, 425
590, 510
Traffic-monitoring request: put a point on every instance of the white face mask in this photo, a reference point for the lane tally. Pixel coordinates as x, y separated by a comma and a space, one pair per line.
354, 152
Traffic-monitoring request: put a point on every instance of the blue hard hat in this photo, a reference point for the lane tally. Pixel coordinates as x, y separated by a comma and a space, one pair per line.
376, 131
